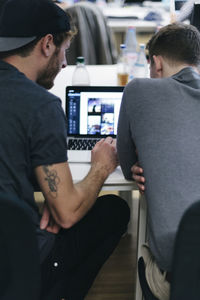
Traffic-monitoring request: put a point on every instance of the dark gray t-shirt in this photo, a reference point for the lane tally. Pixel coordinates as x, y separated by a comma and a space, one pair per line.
161, 119
32, 133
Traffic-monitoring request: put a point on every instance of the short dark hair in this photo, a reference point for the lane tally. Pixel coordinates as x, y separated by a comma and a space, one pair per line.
177, 42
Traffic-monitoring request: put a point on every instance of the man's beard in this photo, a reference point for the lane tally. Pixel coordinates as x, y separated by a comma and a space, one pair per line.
46, 77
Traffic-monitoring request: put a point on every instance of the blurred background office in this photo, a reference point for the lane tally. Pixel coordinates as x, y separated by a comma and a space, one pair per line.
103, 24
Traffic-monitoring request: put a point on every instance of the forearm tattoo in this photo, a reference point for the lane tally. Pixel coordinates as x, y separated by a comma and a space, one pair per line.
52, 179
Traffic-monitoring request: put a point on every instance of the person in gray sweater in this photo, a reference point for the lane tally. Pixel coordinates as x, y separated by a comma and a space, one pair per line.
159, 133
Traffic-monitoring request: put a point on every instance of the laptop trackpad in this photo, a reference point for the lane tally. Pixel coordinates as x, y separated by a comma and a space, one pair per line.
79, 156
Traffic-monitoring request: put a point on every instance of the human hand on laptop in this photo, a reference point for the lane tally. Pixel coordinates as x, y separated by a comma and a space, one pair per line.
104, 154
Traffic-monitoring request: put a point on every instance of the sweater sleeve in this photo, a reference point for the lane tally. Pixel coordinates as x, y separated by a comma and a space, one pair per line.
125, 144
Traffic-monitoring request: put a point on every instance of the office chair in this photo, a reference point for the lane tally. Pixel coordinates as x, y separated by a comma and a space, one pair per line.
19, 257
185, 278
185, 283
94, 39
195, 16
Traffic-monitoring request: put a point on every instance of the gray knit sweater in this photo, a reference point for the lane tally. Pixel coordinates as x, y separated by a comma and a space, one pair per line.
161, 119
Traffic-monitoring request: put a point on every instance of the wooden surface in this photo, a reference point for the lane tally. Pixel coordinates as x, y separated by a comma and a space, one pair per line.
116, 280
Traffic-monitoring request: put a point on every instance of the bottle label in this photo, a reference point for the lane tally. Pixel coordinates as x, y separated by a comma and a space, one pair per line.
131, 58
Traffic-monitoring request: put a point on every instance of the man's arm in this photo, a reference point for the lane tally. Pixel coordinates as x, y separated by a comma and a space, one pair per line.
125, 146
67, 202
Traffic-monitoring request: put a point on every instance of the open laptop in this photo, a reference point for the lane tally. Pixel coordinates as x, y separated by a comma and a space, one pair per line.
92, 113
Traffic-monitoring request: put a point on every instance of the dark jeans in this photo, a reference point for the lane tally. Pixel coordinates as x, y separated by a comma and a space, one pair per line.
80, 252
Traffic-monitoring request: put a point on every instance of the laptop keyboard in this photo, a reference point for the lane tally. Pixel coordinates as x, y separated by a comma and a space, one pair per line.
81, 144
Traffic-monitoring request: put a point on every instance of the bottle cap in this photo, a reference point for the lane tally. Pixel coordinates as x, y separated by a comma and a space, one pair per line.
80, 59
122, 46
142, 46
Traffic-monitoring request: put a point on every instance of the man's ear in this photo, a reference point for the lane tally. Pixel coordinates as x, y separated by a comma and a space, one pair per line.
47, 45
158, 63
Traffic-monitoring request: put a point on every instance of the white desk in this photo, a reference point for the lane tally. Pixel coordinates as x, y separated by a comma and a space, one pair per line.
121, 25
114, 182
119, 18
103, 75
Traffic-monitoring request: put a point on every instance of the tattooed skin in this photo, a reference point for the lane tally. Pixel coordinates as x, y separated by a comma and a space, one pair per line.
52, 179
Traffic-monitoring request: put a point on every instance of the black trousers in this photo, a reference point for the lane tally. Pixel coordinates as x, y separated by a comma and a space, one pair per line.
80, 252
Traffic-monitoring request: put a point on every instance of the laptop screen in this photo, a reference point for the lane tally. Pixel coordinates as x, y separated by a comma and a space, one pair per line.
93, 111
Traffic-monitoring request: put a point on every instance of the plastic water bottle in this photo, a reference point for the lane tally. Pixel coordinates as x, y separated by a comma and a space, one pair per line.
131, 45
80, 75
140, 68
122, 67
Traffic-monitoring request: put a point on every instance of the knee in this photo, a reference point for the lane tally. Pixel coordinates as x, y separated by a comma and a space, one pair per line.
119, 209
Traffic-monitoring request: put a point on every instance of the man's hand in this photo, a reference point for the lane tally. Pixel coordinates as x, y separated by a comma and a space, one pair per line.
47, 222
104, 154
137, 172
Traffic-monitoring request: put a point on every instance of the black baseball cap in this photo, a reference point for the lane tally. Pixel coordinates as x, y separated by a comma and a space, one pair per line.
22, 21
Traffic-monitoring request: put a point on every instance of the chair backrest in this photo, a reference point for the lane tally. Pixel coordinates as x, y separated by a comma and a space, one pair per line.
19, 257
195, 16
185, 283
94, 39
